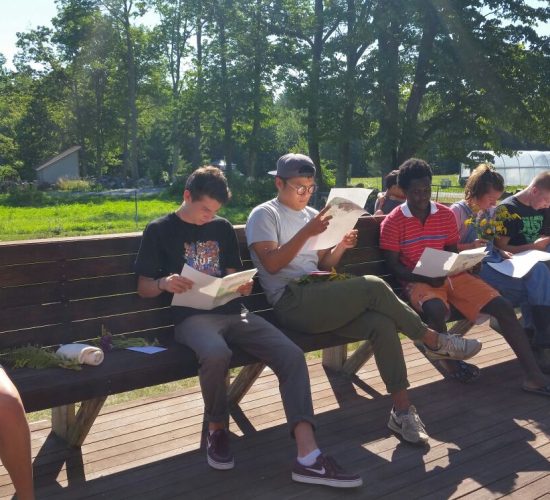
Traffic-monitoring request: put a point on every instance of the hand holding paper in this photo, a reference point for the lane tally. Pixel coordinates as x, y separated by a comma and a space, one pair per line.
208, 291
342, 215
436, 263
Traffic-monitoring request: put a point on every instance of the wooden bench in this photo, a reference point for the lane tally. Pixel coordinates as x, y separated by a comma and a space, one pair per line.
65, 290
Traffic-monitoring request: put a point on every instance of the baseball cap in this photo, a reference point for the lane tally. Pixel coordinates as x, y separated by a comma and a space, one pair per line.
294, 165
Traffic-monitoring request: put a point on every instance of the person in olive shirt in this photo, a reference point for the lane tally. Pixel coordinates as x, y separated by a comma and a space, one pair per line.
195, 236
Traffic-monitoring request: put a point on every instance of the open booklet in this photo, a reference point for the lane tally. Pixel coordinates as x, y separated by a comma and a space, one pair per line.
436, 263
208, 291
521, 263
345, 207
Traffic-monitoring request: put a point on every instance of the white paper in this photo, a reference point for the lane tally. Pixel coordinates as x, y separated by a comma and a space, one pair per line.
208, 291
436, 263
344, 217
150, 349
359, 196
520, 264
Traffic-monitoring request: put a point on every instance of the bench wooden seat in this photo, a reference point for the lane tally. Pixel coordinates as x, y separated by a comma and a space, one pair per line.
66, 290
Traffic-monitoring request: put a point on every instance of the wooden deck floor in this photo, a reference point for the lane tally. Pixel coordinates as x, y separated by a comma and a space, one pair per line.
488, 440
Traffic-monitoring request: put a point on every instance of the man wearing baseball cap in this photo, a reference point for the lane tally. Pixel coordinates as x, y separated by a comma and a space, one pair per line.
363, 307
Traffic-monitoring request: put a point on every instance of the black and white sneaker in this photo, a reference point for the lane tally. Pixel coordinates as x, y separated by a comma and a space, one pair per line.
325, 471
218, 453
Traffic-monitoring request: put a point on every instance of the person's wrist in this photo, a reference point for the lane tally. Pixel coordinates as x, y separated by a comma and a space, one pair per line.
159, 285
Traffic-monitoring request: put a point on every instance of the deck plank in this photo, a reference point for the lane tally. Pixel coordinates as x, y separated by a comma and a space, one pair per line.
488, 440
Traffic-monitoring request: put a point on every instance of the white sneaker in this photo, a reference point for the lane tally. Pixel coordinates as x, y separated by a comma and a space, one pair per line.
454, 347
409, 426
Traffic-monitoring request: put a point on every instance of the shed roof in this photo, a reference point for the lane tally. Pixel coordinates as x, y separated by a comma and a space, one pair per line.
60, 156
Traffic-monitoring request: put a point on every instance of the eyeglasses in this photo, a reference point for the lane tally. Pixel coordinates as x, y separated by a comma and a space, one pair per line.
301, 190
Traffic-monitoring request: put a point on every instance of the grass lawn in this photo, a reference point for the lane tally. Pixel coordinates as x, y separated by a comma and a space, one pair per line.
94, 216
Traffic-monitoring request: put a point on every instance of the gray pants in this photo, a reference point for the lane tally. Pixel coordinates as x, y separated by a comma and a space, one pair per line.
208, 335
364, 307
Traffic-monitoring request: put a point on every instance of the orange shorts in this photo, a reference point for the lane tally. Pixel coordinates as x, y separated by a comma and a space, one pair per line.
468, 293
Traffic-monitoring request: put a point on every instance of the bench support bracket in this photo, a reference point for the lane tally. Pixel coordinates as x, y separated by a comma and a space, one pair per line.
361, 355
73, 426
334, 357
243, 382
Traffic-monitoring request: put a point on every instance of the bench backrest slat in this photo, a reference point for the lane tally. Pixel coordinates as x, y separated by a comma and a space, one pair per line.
66, 289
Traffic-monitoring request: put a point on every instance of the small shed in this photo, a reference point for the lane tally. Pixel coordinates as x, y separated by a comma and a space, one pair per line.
65, 165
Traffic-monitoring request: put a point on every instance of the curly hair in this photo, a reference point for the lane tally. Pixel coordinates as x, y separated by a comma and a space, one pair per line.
482, 180
208, 181
412, 169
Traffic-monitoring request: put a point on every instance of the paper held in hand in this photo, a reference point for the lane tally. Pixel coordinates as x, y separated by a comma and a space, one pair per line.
521, 263
208, 291
436, 263
344, 211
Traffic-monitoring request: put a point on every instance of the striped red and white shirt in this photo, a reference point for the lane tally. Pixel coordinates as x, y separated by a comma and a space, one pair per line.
402, 232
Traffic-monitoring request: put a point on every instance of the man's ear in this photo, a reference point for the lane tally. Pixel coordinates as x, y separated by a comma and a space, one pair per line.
279, 183
187, 196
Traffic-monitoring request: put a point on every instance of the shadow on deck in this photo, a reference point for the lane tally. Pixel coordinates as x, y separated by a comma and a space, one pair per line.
488, 439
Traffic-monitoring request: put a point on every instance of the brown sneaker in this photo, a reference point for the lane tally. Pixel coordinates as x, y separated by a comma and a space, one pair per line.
325, 471
218, 453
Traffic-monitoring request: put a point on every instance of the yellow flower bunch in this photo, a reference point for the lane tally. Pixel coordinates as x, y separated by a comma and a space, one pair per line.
488, 226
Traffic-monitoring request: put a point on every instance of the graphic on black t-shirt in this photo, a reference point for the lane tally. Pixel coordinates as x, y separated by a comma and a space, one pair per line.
532, 227
204, 256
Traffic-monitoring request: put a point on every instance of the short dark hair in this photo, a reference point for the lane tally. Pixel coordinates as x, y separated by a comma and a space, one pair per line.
481, 180
391, 179
412, 169
208, 181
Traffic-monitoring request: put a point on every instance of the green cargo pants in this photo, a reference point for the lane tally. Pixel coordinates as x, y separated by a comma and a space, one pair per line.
364, 307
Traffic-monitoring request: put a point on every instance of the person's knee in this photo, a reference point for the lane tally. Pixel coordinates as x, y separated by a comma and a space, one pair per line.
501, 308
11, 408
435, 311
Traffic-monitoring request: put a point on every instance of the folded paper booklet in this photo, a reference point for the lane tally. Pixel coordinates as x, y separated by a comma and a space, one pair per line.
521, 263
344, 214
208, 291
436, 263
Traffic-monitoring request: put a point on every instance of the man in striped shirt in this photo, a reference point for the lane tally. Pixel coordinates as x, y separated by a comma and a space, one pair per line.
420, 223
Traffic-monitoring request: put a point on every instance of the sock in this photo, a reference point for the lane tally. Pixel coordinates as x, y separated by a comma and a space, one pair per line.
310, 458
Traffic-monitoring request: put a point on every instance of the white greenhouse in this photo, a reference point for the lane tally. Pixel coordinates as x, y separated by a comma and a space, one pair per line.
517, 170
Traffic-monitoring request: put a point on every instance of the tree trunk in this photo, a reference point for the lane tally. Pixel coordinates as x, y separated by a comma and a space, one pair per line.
132, 104
254, 144
196, 158
410, 135
389, 30
314, 85
225, 92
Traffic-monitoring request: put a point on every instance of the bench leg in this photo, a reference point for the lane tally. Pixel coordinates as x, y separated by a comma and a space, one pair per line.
74, 427
243, 382
461, 327
361, 355
334, 357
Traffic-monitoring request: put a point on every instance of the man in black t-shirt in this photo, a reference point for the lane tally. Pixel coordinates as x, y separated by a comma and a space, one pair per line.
194, 235
526, 233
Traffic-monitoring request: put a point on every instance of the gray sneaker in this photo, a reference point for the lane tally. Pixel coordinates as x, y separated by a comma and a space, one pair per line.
409, 426
454, 347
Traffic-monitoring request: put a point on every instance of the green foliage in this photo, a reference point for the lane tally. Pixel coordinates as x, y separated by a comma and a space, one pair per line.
75, 185
26, 196
356, 84
9, 174
36, 357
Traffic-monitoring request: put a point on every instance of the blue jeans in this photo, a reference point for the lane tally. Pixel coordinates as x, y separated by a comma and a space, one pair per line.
531, 290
